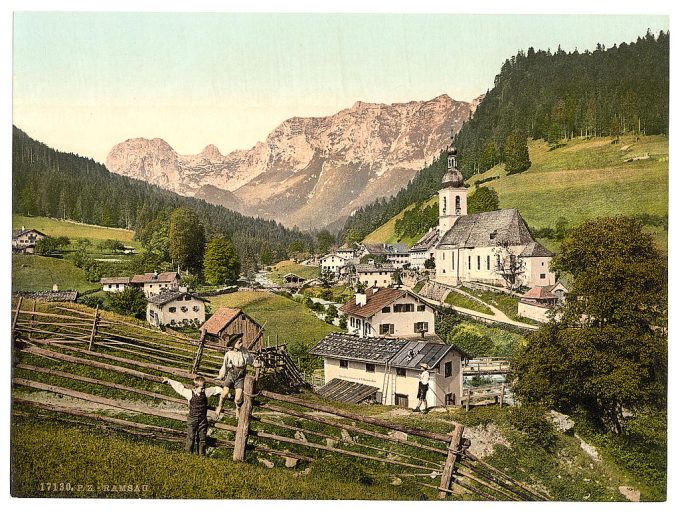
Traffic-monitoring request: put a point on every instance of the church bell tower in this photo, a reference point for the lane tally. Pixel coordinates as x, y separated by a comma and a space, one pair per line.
453, 194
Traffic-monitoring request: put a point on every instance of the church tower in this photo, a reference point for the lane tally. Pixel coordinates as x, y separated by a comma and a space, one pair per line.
453, 194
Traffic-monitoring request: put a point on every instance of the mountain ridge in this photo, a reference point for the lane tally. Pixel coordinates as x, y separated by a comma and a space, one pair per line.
293, 176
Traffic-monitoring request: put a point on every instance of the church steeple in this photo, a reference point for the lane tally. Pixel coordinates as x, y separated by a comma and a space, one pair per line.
453, 194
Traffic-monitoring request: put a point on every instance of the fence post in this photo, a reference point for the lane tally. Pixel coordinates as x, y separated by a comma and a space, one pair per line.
94, 327
16, 315
467, 405
199, 353
502, 394
243, 426
30, 330
449, 465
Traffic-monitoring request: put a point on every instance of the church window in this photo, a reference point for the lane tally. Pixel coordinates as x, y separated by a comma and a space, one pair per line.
488, 262
444, 206
453, 261
479, 262
542, 275
469, 262
457, 204
498, 261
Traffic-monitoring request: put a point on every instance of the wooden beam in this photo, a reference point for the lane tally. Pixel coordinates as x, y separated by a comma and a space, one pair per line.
449, 465
94, 327
245, 411
357, 417
16, 314
351, 428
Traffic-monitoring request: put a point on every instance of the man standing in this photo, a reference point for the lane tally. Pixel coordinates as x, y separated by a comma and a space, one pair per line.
233, 371
423, 386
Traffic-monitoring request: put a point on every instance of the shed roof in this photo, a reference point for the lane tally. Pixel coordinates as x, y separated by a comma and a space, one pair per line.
484, 229
539, 293
346, 391
222, 318
377, 350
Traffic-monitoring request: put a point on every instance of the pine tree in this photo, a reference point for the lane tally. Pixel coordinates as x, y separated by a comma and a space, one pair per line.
516, 153
220, 264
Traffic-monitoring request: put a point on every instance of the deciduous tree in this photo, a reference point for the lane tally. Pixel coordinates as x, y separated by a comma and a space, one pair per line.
221, 265
187, 239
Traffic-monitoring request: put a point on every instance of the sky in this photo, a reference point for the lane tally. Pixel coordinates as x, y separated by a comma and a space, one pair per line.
84, 81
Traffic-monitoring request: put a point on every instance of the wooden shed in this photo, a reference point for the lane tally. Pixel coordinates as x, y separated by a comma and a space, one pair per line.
227, 325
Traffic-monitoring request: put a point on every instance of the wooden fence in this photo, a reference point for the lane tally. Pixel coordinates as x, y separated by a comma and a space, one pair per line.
487, 366
484, 395
66, 353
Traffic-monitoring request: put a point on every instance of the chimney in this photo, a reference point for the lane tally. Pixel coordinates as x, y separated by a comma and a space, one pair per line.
23, 228
155, 274
375, 289
360, 299
55, 287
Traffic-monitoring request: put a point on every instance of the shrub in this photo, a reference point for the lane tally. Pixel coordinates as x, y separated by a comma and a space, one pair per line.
531, 421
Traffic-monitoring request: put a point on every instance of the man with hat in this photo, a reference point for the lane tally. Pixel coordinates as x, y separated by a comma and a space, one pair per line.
423, 386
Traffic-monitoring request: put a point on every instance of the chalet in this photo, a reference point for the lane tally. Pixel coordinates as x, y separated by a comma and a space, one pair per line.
114, 284
293, 281
333, 264
23, 241
423, 249
175, 308
374, 275
374, 249
154, 283
489, 247
228, 325
539, 302
388, 312
385, 370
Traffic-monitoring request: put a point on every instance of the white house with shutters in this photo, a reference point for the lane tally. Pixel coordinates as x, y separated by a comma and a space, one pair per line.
175, 308
388, 312
387, 370
333, 264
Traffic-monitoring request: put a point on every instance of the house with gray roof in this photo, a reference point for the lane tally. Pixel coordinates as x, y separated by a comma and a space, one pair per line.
488, 247
175, 308
386, 370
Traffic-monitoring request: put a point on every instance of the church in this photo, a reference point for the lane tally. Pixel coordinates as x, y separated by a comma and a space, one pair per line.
493, 248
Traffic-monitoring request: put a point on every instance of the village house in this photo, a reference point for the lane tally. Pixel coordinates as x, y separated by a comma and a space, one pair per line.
539, 302
396, 254
114, 284
175, 308
386, 370
374, 275
423, 250
388, 312
333, 264
23, 241
488, 247
154, 283
228, 325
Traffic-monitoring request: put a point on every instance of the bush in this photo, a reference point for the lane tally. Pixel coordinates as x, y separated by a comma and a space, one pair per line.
531, 421
471, 341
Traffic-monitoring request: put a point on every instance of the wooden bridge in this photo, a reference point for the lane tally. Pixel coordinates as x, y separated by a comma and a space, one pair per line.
487, 366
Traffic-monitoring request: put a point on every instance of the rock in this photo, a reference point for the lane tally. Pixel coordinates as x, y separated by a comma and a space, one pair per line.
300, 436
590, 450
304, 472
291, 462
266, 463
345, 436
483, 438
632, 495
399, 436
562, 422
330, 442
396, 481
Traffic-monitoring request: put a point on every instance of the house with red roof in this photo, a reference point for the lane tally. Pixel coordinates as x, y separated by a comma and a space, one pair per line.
540, 302
383, 311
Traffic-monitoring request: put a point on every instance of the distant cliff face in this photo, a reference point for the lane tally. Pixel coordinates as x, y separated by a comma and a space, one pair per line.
309, 172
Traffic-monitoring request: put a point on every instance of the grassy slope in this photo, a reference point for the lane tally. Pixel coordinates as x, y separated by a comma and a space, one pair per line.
284, 267
385, 233
37, 273
460, 300
55, 228
583, 179
291, 321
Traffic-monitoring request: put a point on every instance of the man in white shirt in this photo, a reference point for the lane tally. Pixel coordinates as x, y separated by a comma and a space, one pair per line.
197, 420
233, 371
423, 386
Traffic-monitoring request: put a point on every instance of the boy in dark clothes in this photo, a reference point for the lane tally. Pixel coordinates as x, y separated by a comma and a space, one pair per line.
197, 420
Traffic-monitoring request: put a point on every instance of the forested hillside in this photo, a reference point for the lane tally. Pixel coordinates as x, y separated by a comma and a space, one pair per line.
46, 182
555, 97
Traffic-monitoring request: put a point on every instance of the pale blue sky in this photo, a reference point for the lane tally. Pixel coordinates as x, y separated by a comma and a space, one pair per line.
85, 81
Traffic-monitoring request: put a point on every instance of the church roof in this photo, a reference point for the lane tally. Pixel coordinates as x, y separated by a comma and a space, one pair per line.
485, 229
426, 242
535, 250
